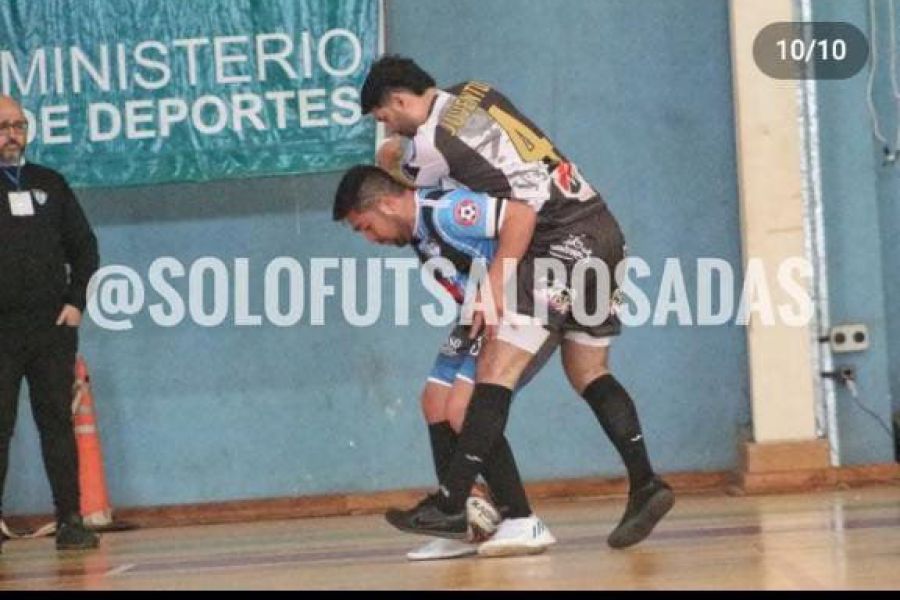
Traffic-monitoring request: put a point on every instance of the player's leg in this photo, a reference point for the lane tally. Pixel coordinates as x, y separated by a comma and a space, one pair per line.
434, 400
500, 364
521, 531
440, 432
585, 353
650, 498
453, 359
444, 408
587, 370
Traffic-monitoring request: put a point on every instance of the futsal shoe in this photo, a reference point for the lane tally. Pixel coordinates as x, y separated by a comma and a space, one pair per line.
517, 537
427, 519
647, 505
440, 548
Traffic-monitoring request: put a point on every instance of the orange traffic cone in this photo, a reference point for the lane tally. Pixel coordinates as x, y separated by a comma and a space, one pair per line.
95, 508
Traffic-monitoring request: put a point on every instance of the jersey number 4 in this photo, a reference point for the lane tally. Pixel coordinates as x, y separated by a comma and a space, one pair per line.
530, 146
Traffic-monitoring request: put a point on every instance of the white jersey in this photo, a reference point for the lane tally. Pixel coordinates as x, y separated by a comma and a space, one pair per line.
475, 138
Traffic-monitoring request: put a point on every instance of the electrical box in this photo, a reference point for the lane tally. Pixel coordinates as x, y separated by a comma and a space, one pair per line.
849, 338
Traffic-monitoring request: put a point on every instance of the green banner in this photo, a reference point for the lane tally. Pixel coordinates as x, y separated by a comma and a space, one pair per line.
127, 92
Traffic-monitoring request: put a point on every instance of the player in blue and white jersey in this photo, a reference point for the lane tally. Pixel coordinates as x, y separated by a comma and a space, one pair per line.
463, 228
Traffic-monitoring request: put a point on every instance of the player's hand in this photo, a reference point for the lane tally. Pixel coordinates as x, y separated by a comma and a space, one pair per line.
69, 316
480, 322
477, 325
478, 319
390, 154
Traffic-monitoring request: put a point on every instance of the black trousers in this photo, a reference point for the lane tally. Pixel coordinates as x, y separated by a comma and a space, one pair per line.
45, 358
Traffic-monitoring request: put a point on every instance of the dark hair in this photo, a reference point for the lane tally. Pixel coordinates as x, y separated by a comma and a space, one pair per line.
361, 186
389, 73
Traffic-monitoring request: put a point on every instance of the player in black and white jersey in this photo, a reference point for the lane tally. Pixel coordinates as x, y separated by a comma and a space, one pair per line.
472, 136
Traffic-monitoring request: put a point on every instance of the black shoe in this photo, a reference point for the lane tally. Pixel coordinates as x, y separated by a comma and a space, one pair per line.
646, 507
427, 519
71, 534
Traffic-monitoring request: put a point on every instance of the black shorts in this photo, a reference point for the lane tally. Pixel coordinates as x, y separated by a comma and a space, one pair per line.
597, 242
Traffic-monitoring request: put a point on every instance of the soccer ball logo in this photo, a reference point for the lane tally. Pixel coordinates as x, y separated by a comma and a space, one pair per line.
467, 213
557, 297
560, 300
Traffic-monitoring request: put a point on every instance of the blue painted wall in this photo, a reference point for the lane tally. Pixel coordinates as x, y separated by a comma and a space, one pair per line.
888, 188
637, 93
862, 218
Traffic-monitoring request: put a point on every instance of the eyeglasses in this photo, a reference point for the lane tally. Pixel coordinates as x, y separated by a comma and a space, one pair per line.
16, 127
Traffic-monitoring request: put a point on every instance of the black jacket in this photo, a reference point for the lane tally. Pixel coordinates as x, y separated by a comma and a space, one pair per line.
46, 259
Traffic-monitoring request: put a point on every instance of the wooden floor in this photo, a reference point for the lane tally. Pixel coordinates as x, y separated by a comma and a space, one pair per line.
832, 540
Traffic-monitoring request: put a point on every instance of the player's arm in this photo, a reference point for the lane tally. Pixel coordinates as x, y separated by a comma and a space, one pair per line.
513, 239
466, 215
515, 231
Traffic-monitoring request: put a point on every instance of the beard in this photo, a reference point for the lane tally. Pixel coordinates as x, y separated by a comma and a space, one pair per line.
406, 128
11, 153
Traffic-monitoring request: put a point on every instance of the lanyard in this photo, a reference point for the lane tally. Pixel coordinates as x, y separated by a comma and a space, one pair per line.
15, 180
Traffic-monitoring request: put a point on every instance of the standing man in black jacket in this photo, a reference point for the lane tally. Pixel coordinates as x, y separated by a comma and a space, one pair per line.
48, 253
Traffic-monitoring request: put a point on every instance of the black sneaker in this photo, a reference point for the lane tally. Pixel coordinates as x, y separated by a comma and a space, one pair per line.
427, 519
646, 507
71, 534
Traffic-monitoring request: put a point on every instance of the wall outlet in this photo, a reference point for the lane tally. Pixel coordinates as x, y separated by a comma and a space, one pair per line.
849, 338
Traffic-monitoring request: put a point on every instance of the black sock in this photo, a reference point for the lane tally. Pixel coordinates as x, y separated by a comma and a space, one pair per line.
502, 476
443, 442
484, 424
616, 412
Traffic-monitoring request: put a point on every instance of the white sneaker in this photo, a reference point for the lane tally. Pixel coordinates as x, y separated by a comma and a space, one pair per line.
439, 548
518, 536
483, 518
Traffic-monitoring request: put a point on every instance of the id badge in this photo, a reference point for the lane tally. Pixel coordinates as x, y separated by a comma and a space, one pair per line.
20, 204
